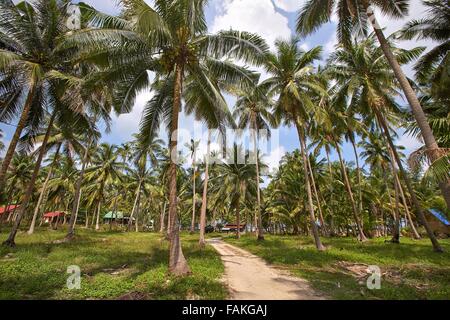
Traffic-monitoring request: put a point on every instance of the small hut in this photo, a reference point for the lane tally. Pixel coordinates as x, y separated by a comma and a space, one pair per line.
115, 217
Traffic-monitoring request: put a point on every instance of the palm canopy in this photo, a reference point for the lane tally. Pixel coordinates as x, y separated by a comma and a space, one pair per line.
293, 79
364, 79
436, 27
159, 37
253, 108
352, 15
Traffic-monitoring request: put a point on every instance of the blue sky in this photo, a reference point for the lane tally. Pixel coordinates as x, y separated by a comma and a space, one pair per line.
272, 19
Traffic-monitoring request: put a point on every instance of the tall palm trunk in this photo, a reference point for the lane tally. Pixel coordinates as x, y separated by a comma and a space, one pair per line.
133, 211
312, 217
201, 240
77, 197
193, 191
177, 262
433, 150
258, 189
43, 191
15, 139
416, 235
361, 235
138, 208
414, 199
358, 171
238, 212
162, 218
316, 195
29, 192
97, 221
396, 231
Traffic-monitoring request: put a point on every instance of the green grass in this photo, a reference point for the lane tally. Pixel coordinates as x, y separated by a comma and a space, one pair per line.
112, 265
410, 270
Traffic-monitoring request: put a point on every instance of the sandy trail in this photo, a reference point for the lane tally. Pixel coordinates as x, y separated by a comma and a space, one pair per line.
250, 278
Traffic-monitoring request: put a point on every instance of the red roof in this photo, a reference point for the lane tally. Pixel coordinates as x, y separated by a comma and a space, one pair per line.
54, 214
7, 209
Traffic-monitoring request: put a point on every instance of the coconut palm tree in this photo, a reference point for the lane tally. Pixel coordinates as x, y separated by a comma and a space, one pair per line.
171, 37
354, 16
253, 111
65, 137
436, 27
30, 58
104, 170
193, 146
367, 83
237, 177
292, 77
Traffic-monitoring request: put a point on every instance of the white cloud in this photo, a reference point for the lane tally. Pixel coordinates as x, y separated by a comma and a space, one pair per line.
409, 143
274, 158
252, 16
289, 5
126, 125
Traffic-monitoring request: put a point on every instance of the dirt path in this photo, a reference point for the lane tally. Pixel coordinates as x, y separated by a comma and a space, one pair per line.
250, 278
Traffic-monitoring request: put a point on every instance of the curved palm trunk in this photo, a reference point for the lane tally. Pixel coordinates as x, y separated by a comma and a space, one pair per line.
361, 235
312, 217
433, 150
415, 201
405, 203
29, 192
15, 139
177, 262
77, 197
260, 234
201, 240
44, 189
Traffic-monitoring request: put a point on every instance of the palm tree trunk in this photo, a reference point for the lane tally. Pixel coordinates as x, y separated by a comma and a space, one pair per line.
312, 217
29, 192
130, 222
258, 190
316, 195
362, 236
238, 216
77, 197
415, 201
15, 139
433, 150
138, 208
358, 170
44, 189
177, 262
97, 221
408, 214
201, 240
162, 218
396, 231
193, 192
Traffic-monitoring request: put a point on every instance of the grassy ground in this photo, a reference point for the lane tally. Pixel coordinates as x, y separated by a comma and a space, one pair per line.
112, 265
410, 270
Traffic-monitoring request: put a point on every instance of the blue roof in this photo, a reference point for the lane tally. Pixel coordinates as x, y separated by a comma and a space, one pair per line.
440, 216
